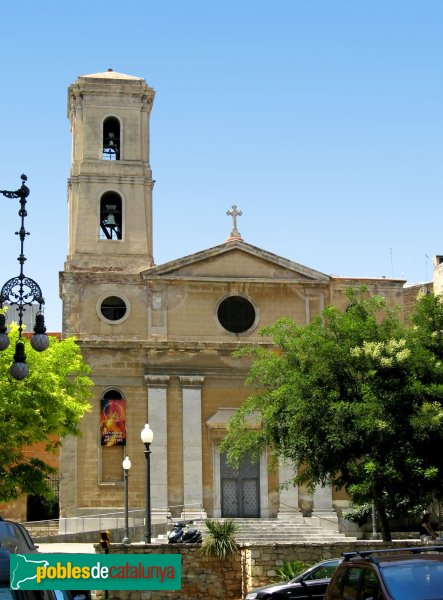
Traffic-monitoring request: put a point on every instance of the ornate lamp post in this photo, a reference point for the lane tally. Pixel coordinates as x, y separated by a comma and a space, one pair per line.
147, 436
22, 291
126, 466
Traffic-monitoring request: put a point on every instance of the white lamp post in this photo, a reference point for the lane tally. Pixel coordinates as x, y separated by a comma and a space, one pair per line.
126, 466
147, 436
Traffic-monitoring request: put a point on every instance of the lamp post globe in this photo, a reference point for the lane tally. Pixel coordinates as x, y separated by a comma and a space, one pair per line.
147, 435
19, 369
4, 339
40, 340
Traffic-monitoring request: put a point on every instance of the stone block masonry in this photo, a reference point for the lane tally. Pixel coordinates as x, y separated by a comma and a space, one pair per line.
211, 579
253, 567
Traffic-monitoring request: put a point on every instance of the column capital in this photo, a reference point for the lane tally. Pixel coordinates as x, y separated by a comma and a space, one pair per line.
191, 381
157, 381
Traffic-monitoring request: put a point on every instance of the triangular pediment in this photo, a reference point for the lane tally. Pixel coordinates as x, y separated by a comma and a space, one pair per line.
234, 260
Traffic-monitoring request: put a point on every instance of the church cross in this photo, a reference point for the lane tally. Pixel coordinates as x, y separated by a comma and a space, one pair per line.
234, 213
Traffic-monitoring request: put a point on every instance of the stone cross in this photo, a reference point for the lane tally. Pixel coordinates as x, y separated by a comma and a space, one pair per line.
234, 213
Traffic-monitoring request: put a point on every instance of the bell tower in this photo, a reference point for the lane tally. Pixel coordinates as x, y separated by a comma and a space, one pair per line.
110, 183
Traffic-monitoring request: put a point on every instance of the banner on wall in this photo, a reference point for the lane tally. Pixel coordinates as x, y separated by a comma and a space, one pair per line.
113, 422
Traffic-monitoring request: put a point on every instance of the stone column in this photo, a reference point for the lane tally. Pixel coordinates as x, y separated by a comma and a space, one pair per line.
157, 419
288, 497
68, 485
192, 447
323, 508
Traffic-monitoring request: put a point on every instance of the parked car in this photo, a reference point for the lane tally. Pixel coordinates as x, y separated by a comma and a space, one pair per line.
7, 594
395, 574
14, 538
309, 585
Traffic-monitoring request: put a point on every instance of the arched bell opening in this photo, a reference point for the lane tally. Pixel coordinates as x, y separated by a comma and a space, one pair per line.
111, 139
111, 217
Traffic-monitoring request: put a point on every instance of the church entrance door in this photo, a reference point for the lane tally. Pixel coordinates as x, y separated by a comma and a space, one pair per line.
240, 488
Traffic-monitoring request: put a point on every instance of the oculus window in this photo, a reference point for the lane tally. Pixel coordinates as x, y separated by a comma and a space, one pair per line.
113, 308
236, 314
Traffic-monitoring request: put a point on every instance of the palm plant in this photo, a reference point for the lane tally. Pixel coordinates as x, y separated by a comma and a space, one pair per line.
220, 541
291, 569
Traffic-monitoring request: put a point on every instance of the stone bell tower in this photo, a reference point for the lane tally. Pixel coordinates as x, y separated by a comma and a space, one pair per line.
110, 184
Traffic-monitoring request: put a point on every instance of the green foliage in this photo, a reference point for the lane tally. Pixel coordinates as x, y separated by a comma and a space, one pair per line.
353, 399
291, 569
360, 514
42, 408
220, 541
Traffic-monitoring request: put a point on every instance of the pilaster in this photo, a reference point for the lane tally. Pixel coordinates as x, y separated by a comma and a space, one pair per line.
288, 497
322, 507
68, 481
157, 419
192, 445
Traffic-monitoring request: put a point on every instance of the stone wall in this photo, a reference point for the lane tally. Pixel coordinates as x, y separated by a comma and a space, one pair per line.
253, 567
260, 561
411, 293
212, 579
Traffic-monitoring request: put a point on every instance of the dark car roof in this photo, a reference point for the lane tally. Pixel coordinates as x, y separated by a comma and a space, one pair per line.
390, 565
14, 539
389, 555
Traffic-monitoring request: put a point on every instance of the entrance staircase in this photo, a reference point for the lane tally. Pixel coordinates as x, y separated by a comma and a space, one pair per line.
280, 530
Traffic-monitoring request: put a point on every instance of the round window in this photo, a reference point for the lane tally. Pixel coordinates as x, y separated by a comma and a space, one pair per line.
236, 314
113, 308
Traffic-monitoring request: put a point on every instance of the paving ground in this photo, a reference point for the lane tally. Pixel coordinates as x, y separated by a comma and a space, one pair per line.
67, 547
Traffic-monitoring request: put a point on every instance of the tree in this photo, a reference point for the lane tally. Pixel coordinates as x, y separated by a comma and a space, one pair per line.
353, 399
44, 407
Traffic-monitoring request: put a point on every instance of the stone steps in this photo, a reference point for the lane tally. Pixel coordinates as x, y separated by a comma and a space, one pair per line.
297, 529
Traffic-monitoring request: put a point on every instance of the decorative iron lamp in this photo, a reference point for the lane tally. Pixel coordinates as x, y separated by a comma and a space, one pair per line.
22, 291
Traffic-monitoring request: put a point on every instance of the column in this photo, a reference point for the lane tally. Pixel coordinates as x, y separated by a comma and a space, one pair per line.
288, 497
157, 419
322, 507
192, 447
68, 485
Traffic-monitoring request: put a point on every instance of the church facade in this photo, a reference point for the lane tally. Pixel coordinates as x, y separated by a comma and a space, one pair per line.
160, 338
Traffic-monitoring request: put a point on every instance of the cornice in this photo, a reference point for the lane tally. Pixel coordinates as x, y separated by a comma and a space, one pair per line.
157, 347
191, 381
157, 381
80, 275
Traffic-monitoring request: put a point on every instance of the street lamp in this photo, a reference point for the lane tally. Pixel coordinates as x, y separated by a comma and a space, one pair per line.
147, 436
22, 291
126, 466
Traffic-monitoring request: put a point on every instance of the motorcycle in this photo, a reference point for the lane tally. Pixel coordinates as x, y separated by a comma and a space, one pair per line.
183, 534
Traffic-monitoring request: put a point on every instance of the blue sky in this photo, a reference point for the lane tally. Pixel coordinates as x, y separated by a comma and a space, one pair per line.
320, 119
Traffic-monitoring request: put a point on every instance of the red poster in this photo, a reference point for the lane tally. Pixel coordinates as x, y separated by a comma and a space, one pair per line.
113, 422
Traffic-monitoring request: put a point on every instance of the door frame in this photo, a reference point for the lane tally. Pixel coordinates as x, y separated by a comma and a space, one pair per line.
216, 484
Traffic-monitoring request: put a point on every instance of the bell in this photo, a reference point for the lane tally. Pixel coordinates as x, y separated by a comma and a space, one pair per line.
110, 220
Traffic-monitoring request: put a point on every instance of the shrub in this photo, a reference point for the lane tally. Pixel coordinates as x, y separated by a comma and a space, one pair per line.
291, 569
220, 541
